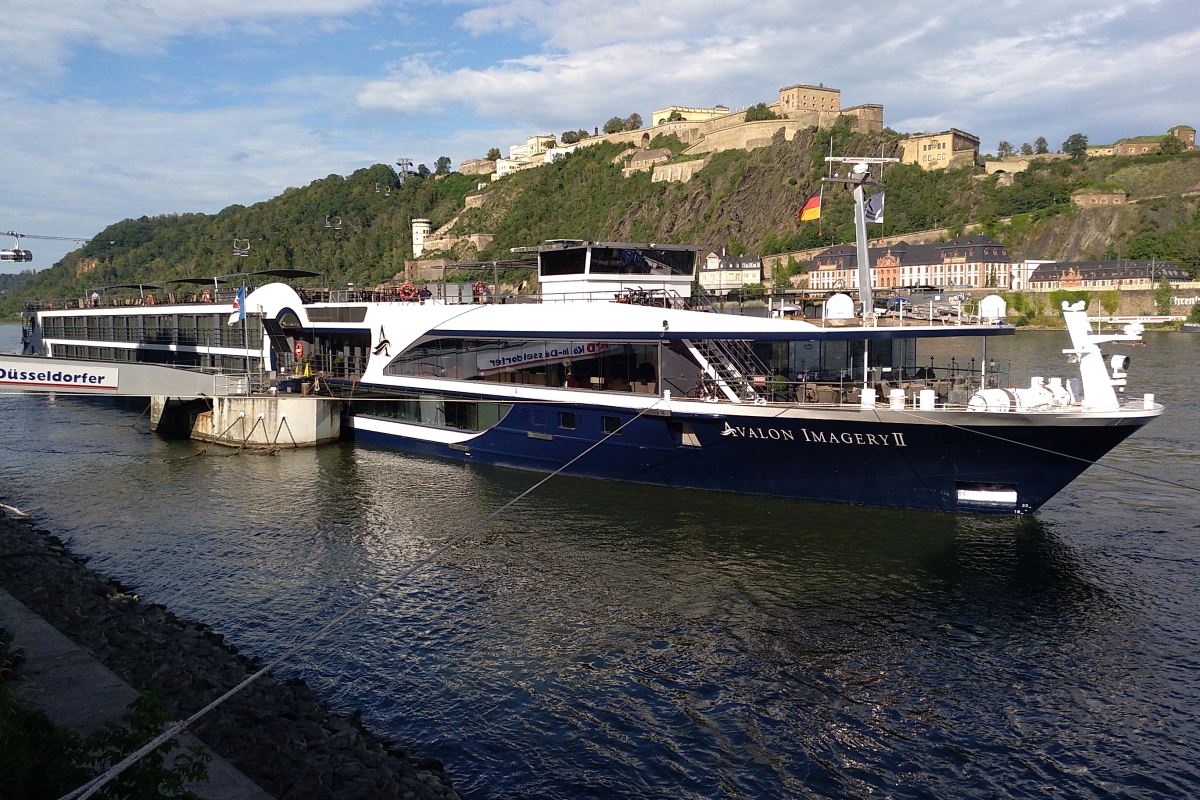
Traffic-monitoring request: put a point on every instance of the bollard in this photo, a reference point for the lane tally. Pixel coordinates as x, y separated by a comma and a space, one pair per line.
896, 399
1148, 400
868, 397
928, 399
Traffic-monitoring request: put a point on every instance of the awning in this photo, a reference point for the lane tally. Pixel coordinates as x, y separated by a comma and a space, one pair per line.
197, 281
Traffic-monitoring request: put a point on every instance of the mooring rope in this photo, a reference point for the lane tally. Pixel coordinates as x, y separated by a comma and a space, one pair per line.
173, 729
257, 420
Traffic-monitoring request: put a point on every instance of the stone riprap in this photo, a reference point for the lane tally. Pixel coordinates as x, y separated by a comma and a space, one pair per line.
278, 733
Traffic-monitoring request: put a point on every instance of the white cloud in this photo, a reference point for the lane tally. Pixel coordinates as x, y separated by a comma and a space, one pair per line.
44, 33
960, 63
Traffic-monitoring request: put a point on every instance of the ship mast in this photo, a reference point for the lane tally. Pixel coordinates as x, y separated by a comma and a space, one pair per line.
859, 177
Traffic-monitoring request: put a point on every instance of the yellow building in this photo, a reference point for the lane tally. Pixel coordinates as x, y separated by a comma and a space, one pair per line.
802, 97
945, 150
688, 114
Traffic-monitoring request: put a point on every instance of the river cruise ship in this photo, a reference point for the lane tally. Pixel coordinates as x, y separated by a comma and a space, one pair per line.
615, 371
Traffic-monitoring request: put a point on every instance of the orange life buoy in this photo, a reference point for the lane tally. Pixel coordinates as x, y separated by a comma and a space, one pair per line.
479, 288
206, 296
408, 290
149, 299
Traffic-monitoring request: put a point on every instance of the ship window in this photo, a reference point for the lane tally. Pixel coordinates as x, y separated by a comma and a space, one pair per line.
434, 411
563, 262
610, 424
610, 366
566, 420
642, 261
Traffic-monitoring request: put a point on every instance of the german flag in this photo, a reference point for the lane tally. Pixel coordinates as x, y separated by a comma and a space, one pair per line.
812, 209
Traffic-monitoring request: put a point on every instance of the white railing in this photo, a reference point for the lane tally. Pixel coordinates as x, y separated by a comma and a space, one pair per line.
226, 384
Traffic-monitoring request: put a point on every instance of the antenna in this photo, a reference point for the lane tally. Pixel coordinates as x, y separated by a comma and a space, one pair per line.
858, 177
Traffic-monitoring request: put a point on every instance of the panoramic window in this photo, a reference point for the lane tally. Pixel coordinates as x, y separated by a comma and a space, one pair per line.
607, 366
638, 261
562, 262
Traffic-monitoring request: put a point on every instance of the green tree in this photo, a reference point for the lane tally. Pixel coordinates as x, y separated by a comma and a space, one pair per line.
1110, 301
1194, 315
614, 125
493, 154
442, 166
1162, 297
1041, 146
1172, 145
1075, 145
422, 171
633, 121
760, 112
1027, 149
675, 117
1004, 150
569, 137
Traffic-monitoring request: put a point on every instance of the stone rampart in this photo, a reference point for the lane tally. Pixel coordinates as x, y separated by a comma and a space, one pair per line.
746, 136
681, 172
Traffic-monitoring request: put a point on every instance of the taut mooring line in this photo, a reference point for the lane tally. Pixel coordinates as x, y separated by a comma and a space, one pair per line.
173, 729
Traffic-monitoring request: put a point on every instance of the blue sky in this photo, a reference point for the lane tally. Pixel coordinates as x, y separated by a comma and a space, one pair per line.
121, 109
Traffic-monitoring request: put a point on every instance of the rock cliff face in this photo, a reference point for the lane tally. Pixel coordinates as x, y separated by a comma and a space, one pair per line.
1096, 233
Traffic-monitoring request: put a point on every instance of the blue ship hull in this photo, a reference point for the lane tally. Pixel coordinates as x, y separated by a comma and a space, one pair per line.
923, 466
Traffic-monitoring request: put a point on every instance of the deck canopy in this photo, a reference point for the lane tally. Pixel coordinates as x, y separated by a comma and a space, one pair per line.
156, 285
286, 274
198, 281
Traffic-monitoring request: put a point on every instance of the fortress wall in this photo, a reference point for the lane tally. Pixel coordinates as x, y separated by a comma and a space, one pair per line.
746, 136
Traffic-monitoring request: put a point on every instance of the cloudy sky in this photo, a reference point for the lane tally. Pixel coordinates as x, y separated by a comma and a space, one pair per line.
128, 107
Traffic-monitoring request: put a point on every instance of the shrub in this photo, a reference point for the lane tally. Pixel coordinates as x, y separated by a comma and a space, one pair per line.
1057, 298
760, 112
1162, 297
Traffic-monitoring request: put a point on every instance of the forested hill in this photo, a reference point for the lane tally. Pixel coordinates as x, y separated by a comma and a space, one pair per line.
746, 201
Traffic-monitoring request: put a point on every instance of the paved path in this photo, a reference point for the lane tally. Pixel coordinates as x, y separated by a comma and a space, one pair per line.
78, 692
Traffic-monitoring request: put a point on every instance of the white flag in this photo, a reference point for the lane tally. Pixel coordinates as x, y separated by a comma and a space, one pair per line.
873, 208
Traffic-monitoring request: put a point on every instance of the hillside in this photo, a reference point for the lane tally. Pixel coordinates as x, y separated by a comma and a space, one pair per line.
746, 201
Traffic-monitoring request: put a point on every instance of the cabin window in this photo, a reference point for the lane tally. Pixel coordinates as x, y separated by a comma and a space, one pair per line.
563, 262
566, 420
610, 424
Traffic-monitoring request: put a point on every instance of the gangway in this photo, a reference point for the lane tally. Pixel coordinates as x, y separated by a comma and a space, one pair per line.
185, 401
38, 375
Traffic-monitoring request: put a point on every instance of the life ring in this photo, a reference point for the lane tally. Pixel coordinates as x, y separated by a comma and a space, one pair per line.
206, 296
149, 299
479, 289
407, 291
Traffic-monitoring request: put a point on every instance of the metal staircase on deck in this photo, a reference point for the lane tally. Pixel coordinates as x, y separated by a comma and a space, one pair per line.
733, 365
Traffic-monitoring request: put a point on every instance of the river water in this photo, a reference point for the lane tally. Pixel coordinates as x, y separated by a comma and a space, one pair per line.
605, 640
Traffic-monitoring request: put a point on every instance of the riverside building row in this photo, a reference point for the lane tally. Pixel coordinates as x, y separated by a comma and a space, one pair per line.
980, 262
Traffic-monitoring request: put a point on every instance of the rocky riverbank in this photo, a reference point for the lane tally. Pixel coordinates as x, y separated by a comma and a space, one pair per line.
278, 733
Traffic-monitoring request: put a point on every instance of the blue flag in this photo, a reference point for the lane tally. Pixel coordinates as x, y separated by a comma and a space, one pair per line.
873, 208
239, 307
